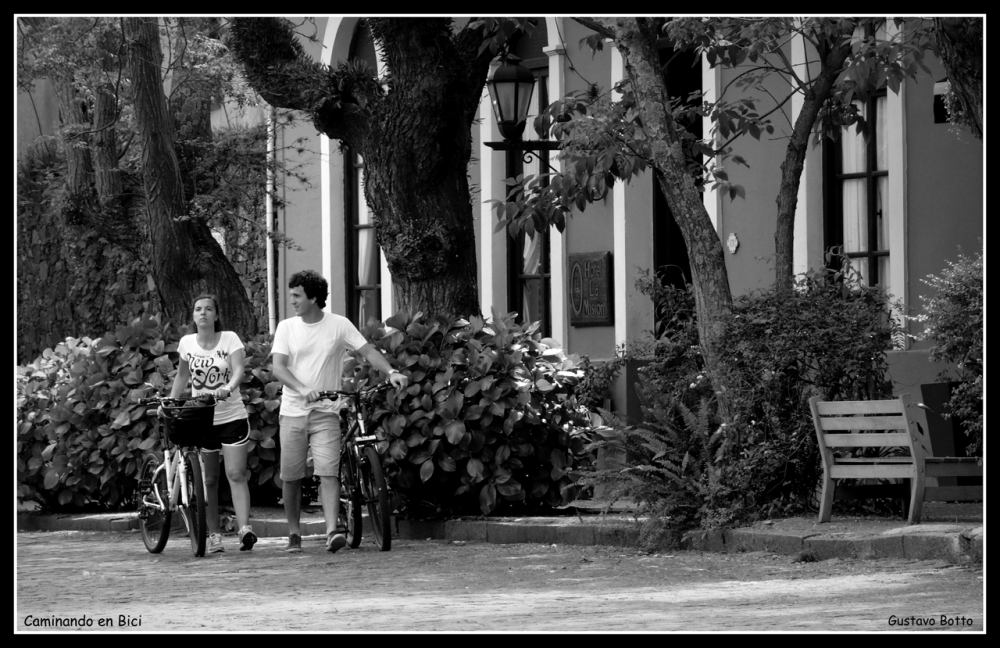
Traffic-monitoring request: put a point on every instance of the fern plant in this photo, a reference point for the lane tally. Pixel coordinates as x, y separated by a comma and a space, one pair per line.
670, 467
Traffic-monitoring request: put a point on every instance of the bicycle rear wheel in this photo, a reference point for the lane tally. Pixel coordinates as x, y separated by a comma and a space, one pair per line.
194, 512
350, 498
377, 497
154, 521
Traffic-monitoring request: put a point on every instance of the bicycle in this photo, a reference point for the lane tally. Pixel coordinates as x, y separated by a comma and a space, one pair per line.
362, 477
172, 480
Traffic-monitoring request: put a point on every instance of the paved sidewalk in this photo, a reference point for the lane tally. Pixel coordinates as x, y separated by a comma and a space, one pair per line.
951, 532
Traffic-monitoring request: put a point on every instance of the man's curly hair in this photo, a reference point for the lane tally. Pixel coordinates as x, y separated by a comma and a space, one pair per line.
313, 284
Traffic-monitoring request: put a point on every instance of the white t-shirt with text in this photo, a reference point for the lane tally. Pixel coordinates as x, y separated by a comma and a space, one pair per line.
315, 357
210, 370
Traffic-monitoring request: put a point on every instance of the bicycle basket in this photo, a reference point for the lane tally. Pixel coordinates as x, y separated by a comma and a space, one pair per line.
189, 422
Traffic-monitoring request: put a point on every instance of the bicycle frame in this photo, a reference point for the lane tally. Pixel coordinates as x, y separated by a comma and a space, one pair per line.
353, 438
176, 477
168, 474
176, 473
360, 458
356, 435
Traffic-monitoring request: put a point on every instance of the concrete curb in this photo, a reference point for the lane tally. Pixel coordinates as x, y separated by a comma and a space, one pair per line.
118, 523
951, 542
956, 543
593, 530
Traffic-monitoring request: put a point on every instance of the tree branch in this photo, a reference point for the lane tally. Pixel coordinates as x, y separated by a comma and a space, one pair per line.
595, 26
790, 68
277, 67
753, 69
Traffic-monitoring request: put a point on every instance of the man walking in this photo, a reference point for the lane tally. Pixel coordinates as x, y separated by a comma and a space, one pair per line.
308, 357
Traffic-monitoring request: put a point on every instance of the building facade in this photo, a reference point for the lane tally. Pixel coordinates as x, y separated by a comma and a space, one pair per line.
903, 203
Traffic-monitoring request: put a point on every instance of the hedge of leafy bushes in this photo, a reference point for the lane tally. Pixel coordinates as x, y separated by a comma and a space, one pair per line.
828, 338
488, 422
81, 432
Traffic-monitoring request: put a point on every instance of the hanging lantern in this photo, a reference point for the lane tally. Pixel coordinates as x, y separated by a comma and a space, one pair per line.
511, 85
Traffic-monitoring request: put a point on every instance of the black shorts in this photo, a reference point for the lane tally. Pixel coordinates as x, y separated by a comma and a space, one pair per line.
233, 433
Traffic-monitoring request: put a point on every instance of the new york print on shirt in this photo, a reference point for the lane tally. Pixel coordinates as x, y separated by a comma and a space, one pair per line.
209, 372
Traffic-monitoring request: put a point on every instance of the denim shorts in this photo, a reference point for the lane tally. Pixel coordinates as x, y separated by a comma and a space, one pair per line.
318, 431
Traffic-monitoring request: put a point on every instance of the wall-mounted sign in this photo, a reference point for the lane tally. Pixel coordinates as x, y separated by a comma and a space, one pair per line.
590, 302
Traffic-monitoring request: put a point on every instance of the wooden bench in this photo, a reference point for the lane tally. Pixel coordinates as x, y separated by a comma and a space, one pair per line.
884, 424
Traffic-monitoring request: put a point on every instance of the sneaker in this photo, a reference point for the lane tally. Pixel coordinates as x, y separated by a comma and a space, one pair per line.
336, 539
294, 543
247, 538
215, 543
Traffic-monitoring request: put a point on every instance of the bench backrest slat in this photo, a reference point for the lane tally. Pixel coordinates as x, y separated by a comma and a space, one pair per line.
863, 423
888, 416
887, 440
832, 408
863, 471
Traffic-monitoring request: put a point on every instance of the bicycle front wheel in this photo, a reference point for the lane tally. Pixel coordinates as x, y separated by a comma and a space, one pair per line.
194, 512
350, 499
154, 518
377, 496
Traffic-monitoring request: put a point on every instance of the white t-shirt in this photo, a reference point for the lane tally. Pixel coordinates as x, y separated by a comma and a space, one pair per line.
210, 370
315, 356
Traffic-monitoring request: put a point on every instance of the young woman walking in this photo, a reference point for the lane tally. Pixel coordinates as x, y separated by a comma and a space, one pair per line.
213, 361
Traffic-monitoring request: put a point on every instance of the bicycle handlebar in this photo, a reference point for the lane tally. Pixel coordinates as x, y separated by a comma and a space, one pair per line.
334, 394
203, 400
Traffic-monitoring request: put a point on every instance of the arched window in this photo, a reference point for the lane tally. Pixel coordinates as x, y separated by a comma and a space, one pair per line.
363, 258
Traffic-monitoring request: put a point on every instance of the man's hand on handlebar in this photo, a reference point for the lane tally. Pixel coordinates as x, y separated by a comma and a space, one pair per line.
399, 380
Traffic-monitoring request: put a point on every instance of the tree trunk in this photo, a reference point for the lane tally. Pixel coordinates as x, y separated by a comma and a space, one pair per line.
424, 222
186, 259
107, 175
74, 118
795, 155
415, 139
416, 171
190, 104
636, 39
960, 42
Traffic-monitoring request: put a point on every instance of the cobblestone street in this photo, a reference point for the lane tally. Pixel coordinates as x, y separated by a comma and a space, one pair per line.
455, 587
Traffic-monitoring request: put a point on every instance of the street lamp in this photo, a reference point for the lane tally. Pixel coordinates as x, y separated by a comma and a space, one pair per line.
510, 86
